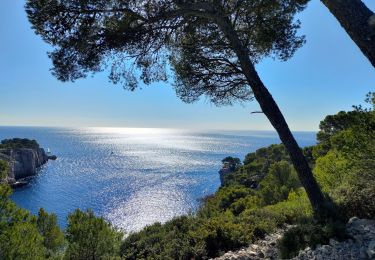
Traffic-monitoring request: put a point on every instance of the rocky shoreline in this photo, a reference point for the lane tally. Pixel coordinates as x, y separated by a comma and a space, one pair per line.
23, 162
360, 245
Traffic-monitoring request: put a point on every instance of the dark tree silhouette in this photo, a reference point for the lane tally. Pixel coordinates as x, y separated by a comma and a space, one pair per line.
232, 162
210, 45
358, 21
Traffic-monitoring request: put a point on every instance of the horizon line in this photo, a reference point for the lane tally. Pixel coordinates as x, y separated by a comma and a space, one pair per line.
151, 127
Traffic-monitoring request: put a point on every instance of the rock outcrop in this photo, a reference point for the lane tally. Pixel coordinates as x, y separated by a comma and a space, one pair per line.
261, 249
223, 173
360, 245
23, 162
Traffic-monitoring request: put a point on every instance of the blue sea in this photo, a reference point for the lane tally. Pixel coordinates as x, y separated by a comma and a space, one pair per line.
132, 177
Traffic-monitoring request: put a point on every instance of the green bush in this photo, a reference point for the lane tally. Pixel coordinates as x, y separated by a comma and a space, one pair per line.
332, 170
293, 210
347, 171
91, 237
53, 237
221, 234
224, 199
356, 198
172, 240
3, 170
21, 241
236, 215
18, 143
309, 234
256, 165
19, 236
275, 187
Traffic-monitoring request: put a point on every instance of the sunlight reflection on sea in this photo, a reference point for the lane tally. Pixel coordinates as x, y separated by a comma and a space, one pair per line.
131, 176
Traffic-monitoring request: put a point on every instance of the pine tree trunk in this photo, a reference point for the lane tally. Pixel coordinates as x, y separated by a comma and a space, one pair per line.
358, 21
273, 113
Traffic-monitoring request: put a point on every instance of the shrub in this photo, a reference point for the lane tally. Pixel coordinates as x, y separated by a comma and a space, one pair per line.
3, 170
53, 237
18, 143
331, 170
256, 165
19, 236
356, 198
172, 240
21, 241
275, 187
223, 199
296, 208
309, 234
221, 234
91, 237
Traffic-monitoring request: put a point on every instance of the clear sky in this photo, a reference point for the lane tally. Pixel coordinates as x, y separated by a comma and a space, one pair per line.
328, 74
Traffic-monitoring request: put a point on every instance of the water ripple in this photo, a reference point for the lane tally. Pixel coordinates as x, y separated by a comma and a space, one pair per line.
131, 176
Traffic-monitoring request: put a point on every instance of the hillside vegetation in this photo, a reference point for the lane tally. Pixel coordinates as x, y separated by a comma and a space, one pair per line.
343, 162
18, 143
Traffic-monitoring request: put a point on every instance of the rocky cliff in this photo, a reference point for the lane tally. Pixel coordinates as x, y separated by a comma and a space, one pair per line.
23, 162
223, 173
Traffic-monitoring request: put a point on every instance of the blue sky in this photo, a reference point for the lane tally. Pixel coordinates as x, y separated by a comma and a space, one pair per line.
328, 74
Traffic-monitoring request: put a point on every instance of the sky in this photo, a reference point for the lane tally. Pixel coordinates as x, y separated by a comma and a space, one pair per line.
328, 74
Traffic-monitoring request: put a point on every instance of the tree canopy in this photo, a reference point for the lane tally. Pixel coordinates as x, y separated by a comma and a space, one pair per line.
143, 39
18, 143
211, 46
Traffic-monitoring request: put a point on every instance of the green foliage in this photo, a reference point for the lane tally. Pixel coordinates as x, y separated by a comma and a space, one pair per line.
172, 240
263, 220
234, 198
3, 170
230, 219
257, 164
347, 170
333, 124
264, 157
308, 153
53, 237
91, 237
19, 236
331, 170
18, 143
356, 198
228, 196
23, 236
197, 49
293, 210
21, 241
275, 187
237, 214
221, 233
246, 203
232, 162
309, 234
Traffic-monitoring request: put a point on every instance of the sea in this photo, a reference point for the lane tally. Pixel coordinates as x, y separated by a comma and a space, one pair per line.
132, 177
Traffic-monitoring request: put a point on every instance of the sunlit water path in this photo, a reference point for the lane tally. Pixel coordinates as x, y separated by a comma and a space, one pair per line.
132, 177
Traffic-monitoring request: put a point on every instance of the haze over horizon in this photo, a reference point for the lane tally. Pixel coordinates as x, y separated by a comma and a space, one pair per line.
307, 88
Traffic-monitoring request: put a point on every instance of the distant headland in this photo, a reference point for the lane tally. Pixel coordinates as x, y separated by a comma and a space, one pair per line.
21, 158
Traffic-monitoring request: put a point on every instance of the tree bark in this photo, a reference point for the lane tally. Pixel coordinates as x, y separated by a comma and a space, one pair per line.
358, 21
273, 113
